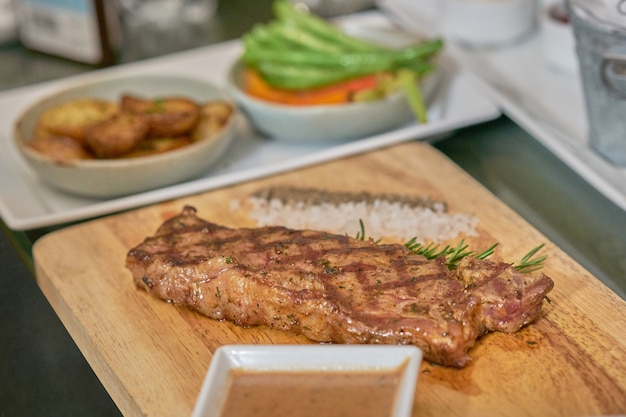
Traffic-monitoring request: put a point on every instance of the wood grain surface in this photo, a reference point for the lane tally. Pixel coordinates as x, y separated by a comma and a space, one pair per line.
153, 356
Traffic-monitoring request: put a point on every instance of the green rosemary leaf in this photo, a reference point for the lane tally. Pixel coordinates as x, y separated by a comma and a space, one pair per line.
457, 254
487, 252
526, 258
529, 264
361, 234
431, 251
411, 244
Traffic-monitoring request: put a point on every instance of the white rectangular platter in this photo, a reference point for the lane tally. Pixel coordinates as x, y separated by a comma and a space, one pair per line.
546, 103
26, 203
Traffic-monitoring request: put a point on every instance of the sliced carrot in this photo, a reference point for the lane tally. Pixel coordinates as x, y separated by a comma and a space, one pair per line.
337, 93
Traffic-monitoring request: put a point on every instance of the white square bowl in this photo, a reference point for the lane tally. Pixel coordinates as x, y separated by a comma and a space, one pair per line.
309, 358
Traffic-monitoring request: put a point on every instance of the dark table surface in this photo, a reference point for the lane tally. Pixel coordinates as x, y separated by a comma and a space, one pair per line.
43, 373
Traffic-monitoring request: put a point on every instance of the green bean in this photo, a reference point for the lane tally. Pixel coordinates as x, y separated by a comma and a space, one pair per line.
293, 34
347, 61
261, 36
298, 77
423, 50
314, 25
256, 50
421, 69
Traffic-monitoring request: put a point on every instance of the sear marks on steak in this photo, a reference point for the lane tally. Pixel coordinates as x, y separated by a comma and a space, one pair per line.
334, 288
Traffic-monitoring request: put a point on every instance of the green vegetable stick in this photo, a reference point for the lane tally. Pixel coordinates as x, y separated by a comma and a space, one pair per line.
256, 52
408, 81
311, 23
293, 34
299, 77
261, 35
420, 51
412, 56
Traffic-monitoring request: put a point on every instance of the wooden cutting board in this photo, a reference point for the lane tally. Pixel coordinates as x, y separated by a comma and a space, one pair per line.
152, 356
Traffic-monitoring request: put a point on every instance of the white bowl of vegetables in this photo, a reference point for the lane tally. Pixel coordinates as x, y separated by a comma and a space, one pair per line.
301, 78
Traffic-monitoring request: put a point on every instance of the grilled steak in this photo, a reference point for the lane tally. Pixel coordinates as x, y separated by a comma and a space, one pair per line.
334, 288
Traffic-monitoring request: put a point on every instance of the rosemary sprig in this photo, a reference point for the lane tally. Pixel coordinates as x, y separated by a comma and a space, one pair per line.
529, 264
360, 235
454, 254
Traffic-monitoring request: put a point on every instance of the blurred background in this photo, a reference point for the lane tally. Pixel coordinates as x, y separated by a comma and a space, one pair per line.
93, 33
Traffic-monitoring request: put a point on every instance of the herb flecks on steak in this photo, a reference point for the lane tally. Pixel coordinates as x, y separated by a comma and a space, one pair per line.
334, 288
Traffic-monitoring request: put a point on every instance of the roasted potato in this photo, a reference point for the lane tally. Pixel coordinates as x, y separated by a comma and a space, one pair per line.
131, 127
213, 116
169, 116
153, 146
117, 135
72, 118
61, 149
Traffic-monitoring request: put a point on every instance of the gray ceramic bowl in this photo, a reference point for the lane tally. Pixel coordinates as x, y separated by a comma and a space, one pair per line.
105, 178
335, 122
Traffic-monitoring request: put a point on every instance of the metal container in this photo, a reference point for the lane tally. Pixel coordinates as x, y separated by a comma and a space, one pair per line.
600, 33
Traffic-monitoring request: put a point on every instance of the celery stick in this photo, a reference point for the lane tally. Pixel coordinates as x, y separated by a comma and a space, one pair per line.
408, 82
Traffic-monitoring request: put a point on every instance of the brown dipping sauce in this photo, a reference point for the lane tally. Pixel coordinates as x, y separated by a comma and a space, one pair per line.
363, 393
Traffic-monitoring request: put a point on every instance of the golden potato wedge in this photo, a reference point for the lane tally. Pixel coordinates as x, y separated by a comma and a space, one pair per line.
169, 116
153, 146
117, 135
213, 117
61, 149
135, 104
72, 118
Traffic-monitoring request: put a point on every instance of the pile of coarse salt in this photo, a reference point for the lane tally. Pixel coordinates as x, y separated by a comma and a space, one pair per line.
383, 215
